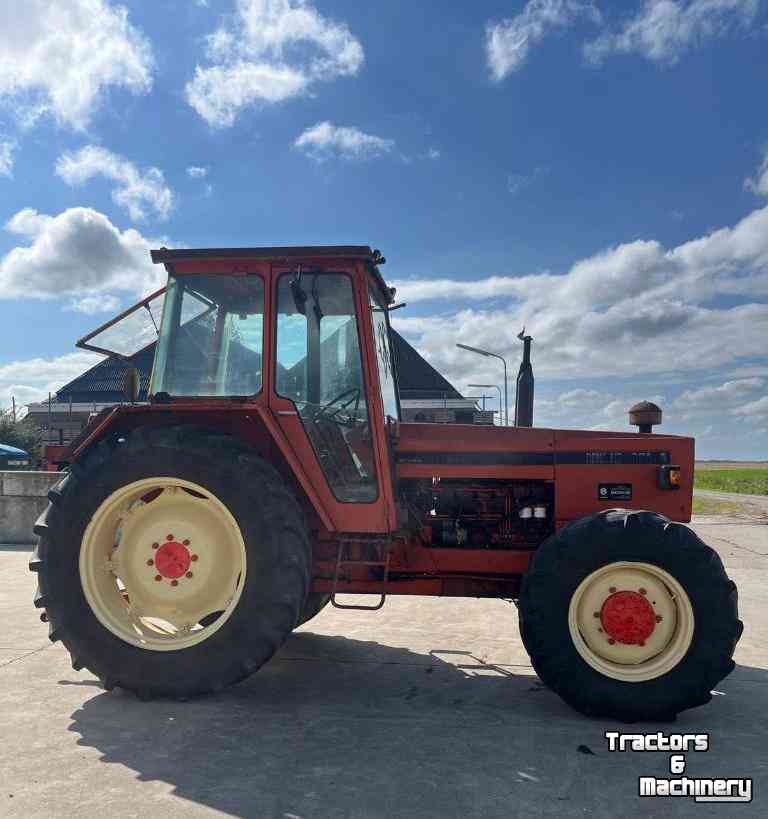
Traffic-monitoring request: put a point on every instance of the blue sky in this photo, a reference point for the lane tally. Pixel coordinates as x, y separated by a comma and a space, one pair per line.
597, 171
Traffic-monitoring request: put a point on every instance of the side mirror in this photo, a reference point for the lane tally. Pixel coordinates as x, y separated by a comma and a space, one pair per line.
131, 384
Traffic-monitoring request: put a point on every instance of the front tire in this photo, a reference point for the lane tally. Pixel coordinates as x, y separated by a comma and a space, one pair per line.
629, 616
171, 561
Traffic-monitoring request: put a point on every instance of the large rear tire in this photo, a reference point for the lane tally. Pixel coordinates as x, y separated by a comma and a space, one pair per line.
171, 561
629, 616
316, 602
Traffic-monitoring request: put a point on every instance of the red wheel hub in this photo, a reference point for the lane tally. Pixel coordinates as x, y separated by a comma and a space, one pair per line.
172, 559
628, 618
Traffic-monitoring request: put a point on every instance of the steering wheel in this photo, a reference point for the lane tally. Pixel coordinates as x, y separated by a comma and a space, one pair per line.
344, 400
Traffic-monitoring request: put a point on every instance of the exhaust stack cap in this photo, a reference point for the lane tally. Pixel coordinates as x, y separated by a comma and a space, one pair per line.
645, 415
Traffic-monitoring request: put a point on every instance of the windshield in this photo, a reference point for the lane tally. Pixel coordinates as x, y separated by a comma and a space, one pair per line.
320, 369
211, 337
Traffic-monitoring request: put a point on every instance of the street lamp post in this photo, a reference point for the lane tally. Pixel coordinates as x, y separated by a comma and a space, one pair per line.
503, 361
488, 387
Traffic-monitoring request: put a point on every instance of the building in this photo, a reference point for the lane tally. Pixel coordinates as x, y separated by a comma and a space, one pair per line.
425, 395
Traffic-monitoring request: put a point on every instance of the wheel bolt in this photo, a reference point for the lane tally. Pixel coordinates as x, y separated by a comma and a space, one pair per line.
158, 577
659, 618
155, 545
150, 562
596, 614
642, 591
186, 542
193, 558
612, 590
189, 574
169, 537
174, 582
611, 640
641, 643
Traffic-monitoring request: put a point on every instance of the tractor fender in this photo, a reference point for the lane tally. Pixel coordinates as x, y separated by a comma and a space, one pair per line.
252, 423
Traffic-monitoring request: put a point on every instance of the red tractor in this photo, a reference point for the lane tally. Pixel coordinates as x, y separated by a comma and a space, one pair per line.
270, 472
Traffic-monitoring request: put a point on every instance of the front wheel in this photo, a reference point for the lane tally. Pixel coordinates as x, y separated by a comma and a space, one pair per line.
629, 616
172, 561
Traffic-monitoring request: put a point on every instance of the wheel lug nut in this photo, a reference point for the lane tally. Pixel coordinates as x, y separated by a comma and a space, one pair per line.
596, 614
186, 542
155, 545
174, 582
189, 574
642, 591
641, 643
659, 618
193, 558
150, 562
612, 590
158, 577
169, 537
611, 640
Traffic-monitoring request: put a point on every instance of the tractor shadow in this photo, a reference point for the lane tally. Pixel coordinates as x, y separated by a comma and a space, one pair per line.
334, 726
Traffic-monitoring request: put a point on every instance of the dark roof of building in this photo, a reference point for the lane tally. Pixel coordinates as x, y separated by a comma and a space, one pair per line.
103, 384
417, 378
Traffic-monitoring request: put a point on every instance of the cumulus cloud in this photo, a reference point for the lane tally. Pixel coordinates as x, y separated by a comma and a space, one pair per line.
32, 379
758, 183
134, 190
755, 411
78, 253
269, 51
508, 42
7, 149
197, 172
326, 140
91, 305
637, 308
58, 57
664, 30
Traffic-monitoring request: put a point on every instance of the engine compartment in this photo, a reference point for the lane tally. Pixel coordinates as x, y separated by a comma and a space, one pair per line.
481, 513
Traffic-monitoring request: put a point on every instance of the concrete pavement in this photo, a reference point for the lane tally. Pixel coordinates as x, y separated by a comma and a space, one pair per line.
426, 708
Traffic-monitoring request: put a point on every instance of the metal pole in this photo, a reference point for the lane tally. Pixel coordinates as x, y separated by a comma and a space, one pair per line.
488, 354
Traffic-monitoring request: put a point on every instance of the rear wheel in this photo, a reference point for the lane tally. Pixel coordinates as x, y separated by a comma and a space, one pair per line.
172, 561
316, 602
629, 616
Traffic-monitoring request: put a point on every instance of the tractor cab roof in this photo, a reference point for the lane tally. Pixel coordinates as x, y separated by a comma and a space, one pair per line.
290, 255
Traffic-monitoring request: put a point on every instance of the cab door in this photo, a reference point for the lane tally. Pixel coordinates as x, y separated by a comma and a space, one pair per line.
324, 393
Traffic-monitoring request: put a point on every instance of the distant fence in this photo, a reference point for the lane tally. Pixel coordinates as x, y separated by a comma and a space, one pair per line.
23, 496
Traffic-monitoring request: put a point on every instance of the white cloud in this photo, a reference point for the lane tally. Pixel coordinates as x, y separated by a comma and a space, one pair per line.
197, 172
59, 56
758, 183
508, 42
269, 51
633, 309
664, 30
326, 140
134, 189
7, 149
77, 253
91, 305
754, 411
32, 379
433, 154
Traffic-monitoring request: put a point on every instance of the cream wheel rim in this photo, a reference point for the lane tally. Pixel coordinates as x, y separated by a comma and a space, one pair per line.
162, 564
631, 621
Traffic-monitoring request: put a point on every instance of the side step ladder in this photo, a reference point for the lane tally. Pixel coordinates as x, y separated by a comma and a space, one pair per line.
341, 562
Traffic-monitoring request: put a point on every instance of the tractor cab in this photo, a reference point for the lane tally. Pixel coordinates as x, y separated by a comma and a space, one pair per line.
302, 333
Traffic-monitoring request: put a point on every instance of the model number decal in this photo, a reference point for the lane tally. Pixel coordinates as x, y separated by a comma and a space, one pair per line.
614, 491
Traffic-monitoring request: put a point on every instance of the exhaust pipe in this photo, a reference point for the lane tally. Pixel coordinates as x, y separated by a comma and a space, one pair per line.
524, 390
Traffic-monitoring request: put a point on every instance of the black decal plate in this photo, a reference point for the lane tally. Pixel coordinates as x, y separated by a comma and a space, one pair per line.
614, 491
